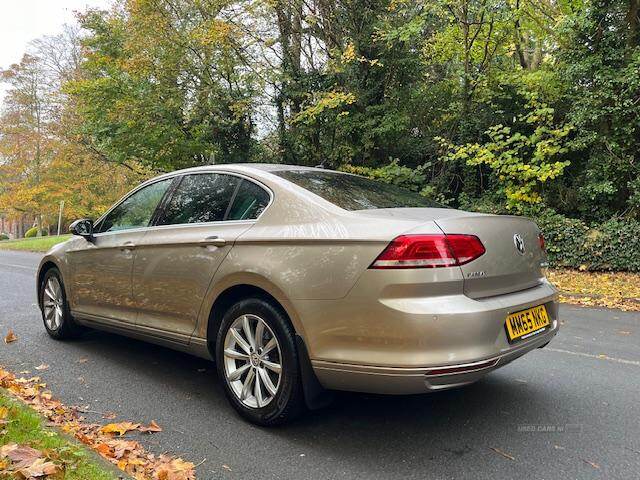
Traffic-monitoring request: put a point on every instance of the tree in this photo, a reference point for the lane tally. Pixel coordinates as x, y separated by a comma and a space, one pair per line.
172, 69
601, 61
39, 164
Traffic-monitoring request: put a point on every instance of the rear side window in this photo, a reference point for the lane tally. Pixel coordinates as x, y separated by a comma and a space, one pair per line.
199, 198
352, 192
249, 202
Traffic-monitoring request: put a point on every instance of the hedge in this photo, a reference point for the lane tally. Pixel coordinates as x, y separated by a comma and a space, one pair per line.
33, 232
611, 246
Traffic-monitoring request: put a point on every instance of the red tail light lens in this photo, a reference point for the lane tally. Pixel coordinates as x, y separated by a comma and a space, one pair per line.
429, 251
543, 247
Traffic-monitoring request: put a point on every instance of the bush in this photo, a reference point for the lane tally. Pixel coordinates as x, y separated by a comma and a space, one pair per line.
33, 232
4, 236
611, 246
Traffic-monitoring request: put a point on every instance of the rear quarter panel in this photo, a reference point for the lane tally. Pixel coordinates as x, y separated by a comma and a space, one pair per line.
304, 248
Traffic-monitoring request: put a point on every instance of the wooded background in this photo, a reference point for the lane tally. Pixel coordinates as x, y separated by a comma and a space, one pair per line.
523, 106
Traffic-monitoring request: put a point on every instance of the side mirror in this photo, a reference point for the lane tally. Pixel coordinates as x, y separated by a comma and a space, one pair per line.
83, 228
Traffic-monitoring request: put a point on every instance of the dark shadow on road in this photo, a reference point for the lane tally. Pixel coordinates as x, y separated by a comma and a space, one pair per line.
354, 421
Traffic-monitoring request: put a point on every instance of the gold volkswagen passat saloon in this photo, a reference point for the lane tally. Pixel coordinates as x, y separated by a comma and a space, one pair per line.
297, 281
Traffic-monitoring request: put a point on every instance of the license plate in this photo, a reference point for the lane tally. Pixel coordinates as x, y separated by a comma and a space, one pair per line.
526, 323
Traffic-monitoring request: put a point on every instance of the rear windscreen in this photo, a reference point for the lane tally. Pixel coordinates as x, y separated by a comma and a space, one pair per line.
352, 192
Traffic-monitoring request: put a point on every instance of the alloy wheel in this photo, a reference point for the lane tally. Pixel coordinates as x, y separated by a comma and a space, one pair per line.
53, 303
252, 361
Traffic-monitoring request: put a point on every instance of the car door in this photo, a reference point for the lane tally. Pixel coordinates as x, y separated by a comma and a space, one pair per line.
101, 267
179, 255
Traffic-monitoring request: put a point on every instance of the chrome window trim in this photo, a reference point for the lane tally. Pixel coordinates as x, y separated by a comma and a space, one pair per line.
174, 175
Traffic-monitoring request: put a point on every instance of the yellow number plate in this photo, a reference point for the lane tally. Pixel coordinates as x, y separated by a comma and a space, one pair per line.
526, 323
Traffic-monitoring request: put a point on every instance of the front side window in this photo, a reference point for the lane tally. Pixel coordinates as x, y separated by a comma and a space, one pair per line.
353, 192
200, 198
135, 211
249, 202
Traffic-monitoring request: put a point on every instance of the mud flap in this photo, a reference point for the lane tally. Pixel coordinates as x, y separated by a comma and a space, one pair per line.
315, 395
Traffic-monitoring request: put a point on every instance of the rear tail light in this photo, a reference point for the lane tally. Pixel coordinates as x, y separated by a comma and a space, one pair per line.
541, 241
429, 251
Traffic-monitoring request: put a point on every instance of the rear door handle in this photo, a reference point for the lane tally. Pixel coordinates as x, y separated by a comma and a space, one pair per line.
213, 240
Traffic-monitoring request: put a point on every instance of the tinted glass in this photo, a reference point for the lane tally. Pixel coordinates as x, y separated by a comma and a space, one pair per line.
249, 202
200, 198
352, 192
136, 211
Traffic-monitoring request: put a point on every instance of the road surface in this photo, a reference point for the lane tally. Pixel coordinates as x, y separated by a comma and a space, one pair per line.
569, 411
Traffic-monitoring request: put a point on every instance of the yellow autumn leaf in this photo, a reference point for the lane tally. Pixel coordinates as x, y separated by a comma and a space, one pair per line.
119, 428
11, 337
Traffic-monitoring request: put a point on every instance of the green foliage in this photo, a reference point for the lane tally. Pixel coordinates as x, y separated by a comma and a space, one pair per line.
32, 232
600, 61
163, 92
4, 236
610, 246
522, 160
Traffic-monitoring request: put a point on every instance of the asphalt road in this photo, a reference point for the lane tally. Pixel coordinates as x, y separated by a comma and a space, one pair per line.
570, 411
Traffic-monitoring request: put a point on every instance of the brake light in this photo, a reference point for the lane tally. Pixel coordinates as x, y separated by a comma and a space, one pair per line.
541, 241
429, 251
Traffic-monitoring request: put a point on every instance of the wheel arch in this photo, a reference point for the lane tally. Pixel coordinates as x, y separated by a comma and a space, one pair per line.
233, 290
46, 265
314, 393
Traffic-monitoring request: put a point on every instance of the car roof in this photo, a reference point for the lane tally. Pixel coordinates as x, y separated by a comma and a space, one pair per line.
246, 167
276, 167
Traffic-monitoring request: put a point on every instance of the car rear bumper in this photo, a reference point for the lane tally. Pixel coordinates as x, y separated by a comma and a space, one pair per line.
416, 345
401, 381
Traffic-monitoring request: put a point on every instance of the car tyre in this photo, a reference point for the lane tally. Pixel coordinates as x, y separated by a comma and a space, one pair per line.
256, 345
55, 309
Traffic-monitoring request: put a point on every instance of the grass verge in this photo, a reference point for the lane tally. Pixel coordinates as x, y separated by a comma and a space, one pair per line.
36, 244
106, 440
23, 426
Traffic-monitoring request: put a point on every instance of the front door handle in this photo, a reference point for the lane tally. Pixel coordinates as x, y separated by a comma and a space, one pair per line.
213, 240
127, 246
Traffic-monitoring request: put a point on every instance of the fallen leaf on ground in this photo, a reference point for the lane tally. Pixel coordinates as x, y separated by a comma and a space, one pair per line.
597, 289
594, 465
109, 415
104, 450
11, 337
504, 454
151, 428
20, 453
227, 467
43, 366
119, 428
176, 469
39, 468
128, 455
121, 447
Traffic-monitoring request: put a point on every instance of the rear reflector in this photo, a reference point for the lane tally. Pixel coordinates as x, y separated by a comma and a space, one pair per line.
471, 367
429, 251
543, 247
